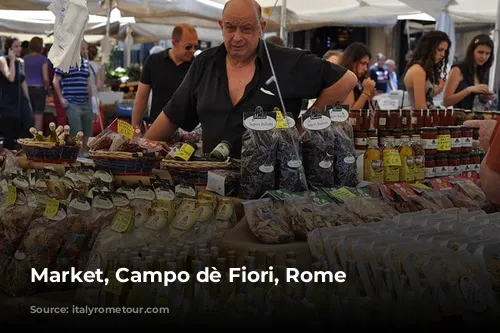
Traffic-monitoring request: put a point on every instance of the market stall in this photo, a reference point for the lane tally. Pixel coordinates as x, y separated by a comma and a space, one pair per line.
343, 202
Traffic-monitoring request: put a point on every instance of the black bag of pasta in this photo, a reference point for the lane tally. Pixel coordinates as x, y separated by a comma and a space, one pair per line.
38, 249
290, 174
318, 148
258, 154
345, 155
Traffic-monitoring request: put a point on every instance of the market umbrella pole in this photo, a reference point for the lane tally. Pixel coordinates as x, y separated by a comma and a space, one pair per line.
283, 32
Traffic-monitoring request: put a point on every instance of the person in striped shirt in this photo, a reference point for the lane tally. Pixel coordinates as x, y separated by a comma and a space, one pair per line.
74, 91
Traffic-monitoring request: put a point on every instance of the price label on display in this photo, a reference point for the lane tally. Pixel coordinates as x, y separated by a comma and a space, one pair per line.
342, 193
444, 142
122, 221
392, 158
11, 195
125, 129
51, 208
280, 120
113, 285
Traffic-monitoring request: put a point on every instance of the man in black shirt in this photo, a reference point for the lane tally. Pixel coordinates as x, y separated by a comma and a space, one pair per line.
163, 72
380, 74
236, 77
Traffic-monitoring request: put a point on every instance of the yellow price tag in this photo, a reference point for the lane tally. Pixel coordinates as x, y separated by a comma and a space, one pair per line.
113, 285
421, 186
280, 120
391, 158
11, 195
444, 142
185, 152
342, 194
122, 221
125, 129
51, 208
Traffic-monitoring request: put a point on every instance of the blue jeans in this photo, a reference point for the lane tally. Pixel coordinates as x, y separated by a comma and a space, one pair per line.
80, 118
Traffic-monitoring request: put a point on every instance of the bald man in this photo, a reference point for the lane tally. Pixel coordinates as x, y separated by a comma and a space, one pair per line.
163, 72
236, 77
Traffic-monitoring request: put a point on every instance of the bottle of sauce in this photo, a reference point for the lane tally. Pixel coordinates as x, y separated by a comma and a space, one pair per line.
429, 140
407, 170
443, 139
392, 161
456, 139
442, 165
372, 165
186, 151
419, 153
222, 151
430, 167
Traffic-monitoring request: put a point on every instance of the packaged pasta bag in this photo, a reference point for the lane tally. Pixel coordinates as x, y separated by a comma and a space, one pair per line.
370, 209
318, 148
345, 155
267, 223
438, 199
144, 196
17, 214
37, 250
288, 157
183, 224
258, 154
225, 217
118, 233
79, 179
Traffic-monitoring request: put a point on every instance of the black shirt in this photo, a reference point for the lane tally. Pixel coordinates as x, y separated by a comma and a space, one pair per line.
11, 93
164, 76
203, 97
381, 77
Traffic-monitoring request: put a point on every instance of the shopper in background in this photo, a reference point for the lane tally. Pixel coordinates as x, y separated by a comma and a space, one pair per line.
96, 77
393, 83
333, 56
380, 74
356, 58
37, 78
14, 100
74, 91
236, 77
25, 48
163, 73
468, 80
276, 40
426, 72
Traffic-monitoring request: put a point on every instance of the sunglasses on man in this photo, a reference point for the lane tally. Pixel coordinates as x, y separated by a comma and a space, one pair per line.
188, 47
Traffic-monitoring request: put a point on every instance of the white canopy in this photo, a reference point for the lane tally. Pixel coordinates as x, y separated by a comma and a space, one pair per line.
306, 13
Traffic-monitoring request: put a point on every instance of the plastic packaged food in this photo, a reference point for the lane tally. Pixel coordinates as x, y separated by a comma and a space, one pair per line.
289, 166
258, 161
345, 169
267, 223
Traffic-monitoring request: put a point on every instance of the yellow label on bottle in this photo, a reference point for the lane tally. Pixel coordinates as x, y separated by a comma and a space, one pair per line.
125, 129
51, 207
407, 170
374, 171
122, 221
113, 285
444, 142
280, 120
391, 174
11, 195
391, 158
185, 152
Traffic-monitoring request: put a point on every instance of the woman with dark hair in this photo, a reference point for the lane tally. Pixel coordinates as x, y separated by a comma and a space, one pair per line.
469, 79
37, 77
14, 100
356, 58
426, 72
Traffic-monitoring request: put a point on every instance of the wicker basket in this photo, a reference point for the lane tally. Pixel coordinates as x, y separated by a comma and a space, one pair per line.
196, 172
123, 163
49, 152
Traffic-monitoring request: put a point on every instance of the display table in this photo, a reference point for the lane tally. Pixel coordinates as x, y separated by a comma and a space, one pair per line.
241, 239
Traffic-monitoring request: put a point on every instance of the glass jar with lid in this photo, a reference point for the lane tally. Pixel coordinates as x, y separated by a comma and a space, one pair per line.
442, 165
456, 139
417, 119
361, 140
393, 119
429, 140
430, 167
443, 139
467, 134
454, 168
355, 119
381, 119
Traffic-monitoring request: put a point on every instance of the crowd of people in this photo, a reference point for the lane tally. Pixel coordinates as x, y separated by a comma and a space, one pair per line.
27, 77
